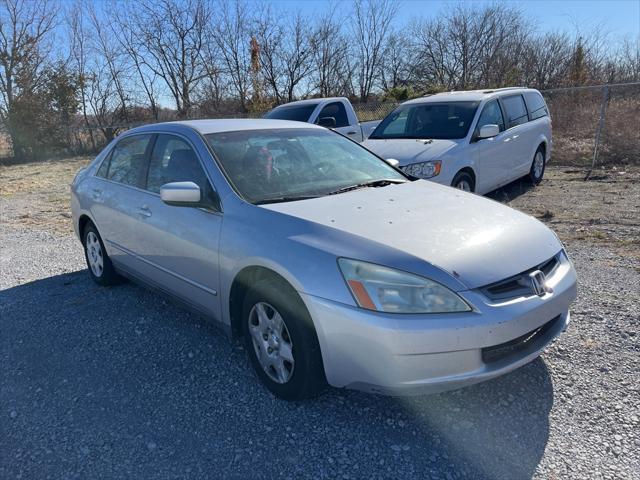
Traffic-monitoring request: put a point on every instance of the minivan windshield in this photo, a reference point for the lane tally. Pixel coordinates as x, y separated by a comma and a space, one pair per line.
432, 120
298, 113
277, 165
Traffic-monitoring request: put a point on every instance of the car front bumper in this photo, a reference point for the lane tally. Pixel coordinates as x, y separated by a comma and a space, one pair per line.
416, 354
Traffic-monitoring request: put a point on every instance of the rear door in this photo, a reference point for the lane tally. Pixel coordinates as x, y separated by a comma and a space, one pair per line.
116, 193
520, 135
179, 245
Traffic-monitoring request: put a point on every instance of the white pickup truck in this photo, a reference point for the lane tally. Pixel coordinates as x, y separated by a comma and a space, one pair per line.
336, 113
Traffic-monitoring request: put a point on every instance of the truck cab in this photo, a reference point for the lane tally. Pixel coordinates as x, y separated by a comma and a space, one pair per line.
336, 113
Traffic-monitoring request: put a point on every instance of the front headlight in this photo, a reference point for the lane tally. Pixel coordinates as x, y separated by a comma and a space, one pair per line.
424, 169
388, 290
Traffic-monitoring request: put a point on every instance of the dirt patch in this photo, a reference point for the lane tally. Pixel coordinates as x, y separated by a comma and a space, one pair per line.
604, 210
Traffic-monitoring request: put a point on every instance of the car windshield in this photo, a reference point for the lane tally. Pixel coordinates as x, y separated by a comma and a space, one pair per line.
442, 120
289, 164
298, 113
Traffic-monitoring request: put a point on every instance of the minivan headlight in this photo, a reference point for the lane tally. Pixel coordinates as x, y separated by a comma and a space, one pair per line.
384, 289
424, 169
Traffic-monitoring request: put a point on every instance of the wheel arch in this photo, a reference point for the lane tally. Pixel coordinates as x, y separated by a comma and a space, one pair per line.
240, 286
468, 169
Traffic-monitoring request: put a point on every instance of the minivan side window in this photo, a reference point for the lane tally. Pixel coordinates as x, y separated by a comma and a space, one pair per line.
535, 104
337, 111
515, 110
174, 160
491, 115
126, 164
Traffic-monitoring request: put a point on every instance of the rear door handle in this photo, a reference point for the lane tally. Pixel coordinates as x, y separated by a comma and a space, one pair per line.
351, 133
144, 211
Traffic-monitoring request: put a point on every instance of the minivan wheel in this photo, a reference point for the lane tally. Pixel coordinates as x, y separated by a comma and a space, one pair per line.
281, 341
99, 264
463, 181
537, 167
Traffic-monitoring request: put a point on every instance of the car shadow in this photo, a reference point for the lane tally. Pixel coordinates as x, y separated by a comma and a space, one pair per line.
511, 191
119, 382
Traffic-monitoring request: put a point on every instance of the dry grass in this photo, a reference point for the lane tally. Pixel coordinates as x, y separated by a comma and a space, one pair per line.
36, 195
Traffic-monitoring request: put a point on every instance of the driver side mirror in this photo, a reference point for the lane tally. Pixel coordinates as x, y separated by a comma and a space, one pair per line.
488, 131
181, 194
328, 122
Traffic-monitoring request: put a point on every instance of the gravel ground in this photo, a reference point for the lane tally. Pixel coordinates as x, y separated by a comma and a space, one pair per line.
120, 383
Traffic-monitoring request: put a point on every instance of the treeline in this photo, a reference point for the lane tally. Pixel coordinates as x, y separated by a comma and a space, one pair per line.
107, 64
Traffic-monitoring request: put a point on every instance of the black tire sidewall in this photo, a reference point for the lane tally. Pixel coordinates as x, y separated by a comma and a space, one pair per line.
308, 374
463, 176
532, 176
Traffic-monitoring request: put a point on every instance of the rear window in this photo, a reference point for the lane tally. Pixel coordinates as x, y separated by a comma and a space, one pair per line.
515, 110
535, 104
297, 113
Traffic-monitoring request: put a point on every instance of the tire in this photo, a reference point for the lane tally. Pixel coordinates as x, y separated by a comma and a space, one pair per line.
463, 181
98, 262
286, 358
538, 166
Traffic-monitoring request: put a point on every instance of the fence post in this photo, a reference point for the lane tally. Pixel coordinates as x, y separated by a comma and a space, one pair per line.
603, 114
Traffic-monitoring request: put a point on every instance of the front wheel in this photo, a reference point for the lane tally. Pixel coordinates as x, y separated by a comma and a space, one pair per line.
537, 167
463, 181
281, 341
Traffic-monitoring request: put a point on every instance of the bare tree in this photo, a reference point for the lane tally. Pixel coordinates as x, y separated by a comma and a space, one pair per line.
394, 66
233, 36
286, 55
330, 50
174, 33
370, 25
131, 41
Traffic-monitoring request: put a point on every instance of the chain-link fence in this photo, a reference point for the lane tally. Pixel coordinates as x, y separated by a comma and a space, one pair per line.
599, 124
591, 125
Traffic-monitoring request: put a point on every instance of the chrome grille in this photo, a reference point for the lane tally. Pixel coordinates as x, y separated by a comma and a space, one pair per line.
519, 285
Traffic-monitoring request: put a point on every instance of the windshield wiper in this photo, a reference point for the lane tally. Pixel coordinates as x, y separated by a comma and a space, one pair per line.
372, 183
285, 198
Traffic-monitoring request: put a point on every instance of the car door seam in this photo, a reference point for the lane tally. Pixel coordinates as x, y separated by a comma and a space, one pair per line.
163, 269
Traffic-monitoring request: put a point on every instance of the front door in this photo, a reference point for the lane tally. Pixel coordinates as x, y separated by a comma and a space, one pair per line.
179, 245
492, 154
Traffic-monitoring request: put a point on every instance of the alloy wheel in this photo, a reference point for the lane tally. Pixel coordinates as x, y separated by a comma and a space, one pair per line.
94, 254
271, 342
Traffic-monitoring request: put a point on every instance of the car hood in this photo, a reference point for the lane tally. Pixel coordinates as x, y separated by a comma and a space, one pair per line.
477, 240
408, 151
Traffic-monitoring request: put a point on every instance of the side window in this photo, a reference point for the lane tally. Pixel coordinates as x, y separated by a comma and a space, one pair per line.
337, 111
515, 110
535, 104
127, 161
173, 160
491, 115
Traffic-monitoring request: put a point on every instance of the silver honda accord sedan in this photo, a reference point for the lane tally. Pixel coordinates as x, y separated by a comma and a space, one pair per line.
332, 265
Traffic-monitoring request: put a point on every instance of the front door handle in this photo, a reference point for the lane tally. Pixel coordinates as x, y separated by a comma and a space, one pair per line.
351, 133
144, 211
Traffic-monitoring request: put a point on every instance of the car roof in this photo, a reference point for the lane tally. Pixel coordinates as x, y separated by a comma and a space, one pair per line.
312, 101
468, 95
205, 127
